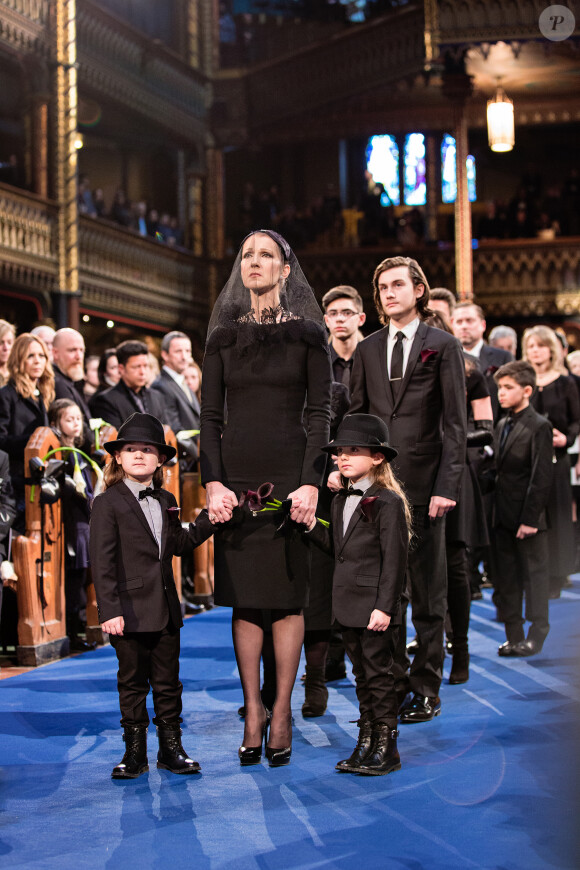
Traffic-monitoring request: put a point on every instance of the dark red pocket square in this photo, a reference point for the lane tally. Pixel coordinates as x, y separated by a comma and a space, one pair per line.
427, 354
367, 508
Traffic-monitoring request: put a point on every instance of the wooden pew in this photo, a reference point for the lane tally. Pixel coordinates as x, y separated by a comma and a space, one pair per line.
171, 483
41, 630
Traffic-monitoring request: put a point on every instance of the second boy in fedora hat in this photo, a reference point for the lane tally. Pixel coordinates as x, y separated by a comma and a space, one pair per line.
369, 536
135, 532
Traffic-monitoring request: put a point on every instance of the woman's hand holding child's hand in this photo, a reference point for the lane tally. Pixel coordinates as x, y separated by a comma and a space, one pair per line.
220, 502
304, 501
379, 621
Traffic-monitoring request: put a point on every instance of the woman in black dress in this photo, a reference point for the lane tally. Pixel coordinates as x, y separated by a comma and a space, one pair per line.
556, 397
264, 418
23, 408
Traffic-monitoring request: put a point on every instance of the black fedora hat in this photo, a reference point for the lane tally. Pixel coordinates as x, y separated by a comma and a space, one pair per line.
145, 428
363, 430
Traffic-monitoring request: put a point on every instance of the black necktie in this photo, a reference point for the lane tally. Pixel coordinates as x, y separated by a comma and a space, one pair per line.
352, 491
508, 425
397, 363
145, 493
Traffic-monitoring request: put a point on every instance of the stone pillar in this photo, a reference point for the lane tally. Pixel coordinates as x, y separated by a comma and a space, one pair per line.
65, 127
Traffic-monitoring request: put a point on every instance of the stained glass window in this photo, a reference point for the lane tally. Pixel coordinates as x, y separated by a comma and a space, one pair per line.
448, 171
415, 181
383, 164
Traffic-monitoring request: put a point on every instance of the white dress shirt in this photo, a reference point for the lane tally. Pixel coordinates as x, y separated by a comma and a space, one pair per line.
476, 349
409, 332
179, 380
351, 501
150, 507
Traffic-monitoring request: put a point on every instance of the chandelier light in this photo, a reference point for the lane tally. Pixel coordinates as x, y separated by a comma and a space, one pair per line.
500, 121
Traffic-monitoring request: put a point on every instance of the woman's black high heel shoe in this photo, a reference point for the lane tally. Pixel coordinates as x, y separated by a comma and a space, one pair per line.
279, 757
253, 754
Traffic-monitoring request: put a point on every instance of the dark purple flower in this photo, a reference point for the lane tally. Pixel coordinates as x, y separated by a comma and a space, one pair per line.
427, 354
366, 506
491, 370
255, 499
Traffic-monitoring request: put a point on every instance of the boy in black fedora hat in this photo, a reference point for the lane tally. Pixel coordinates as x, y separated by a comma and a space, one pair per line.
369, 535
135, 531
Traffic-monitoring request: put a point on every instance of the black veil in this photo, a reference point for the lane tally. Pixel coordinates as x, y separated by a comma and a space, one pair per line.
229, 322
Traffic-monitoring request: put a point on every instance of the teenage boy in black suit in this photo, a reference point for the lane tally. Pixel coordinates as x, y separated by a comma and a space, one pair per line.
413, 377
135, 532
524, 452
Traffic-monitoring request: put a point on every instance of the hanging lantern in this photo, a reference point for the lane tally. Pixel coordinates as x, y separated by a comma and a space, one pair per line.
500, 122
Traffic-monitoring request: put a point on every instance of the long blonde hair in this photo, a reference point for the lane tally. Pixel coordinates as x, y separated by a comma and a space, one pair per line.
25, 387
547, 338
383, 475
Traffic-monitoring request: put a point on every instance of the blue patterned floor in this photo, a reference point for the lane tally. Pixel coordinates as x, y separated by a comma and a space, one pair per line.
492, 783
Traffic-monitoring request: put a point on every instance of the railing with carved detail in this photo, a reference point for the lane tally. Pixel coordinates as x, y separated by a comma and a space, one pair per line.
512, 278
120, 271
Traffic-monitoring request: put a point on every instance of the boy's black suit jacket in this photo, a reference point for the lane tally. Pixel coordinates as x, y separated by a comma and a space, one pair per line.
130, 577
370, 558
524, 470
428, 420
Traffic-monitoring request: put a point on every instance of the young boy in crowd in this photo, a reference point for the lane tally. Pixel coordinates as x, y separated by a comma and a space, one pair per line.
523, 451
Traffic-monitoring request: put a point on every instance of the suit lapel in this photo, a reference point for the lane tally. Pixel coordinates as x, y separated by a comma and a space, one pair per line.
512, 439
132, 502
356, 517
416, 349
181, 395
382, 363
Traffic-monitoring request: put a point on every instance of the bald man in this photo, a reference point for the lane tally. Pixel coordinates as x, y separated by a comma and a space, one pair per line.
46, 333
68, 349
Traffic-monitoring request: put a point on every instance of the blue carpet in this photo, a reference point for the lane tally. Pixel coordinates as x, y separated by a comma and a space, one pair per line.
491, 783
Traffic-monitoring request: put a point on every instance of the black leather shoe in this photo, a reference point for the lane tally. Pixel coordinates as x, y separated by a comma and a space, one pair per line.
384, 756
527, 648
172, 756
77, 644
134, 761
361, 750
507, 649
420, 709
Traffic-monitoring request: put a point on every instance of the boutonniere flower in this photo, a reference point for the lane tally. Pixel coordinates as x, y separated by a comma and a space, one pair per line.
491, 370
367, 507
427, 353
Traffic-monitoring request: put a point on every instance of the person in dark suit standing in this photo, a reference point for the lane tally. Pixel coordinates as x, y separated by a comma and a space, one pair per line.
130, 394
134, 534
68, 351
412, 376
369, 538
468, 324
181, 405
524, 472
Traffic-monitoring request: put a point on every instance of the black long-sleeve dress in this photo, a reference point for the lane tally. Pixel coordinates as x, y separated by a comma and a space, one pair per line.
559, 402
264, 418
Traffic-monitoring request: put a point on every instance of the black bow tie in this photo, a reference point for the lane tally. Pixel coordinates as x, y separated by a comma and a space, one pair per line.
352, 491
154, 493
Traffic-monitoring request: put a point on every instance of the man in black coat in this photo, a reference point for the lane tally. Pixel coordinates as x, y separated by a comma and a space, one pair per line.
181, 406
116, 404
68, 350
413, 377
468, 324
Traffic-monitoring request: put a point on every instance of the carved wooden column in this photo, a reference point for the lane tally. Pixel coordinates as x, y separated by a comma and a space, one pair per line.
457, 87
432, 159
214, 208
66, 160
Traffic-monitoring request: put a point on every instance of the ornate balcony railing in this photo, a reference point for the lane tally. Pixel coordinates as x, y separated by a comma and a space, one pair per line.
120, 272
524, 278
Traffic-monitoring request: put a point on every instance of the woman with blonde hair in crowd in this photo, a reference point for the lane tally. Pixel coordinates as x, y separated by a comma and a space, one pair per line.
24, 401
556, 397
7, 336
